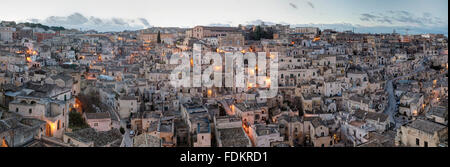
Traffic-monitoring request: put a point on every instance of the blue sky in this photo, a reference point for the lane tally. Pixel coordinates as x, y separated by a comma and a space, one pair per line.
421, 16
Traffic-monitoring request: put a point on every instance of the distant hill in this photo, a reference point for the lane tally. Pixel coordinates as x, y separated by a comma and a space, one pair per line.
38, 25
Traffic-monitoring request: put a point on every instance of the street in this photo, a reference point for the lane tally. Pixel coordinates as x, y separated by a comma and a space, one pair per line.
391, 109
126, 141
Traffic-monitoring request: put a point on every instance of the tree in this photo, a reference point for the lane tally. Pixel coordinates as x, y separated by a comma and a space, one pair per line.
76, 121
260, 33
122, 130
158, 40
90, 102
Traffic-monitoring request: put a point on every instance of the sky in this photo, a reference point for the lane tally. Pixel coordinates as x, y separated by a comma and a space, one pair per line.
419, 16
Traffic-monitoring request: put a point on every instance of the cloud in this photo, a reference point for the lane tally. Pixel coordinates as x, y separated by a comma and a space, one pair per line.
79, 21
219, 25
293, 5
373, 18
145, 22
310, 4
259, 22
402, 18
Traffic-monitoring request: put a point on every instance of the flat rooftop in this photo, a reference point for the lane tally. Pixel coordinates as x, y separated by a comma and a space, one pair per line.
233, 137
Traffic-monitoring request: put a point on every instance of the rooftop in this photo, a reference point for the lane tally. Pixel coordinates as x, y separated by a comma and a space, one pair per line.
102, 115
128, 98
145, 140
100, 139
363, 115
426, 126
262, 130
233, 137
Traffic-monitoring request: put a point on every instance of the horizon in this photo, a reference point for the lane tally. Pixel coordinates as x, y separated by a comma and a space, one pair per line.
420, 17
334, 27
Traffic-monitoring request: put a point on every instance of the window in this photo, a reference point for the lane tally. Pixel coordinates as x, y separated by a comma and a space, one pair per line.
417, 141
95, 124
425, 144
17, 109
30, 110
323, 145
322, 134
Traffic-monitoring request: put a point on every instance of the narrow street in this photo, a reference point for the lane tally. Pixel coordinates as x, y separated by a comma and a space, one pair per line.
391, 109
126, 141
392, 102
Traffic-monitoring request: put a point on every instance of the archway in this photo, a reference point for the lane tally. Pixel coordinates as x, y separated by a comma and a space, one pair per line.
4, 143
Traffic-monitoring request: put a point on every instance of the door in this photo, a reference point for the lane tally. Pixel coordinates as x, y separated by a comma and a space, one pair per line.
48, 130
139, 125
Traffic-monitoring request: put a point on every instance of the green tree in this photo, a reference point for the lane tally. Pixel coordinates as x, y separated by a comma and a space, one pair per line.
158, 40
122, 130
261, 33
76, 121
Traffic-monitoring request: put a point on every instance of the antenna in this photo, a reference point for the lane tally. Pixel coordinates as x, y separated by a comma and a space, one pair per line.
407, 29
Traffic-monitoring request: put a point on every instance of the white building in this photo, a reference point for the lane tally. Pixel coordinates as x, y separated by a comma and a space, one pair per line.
6, 34
263, 135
